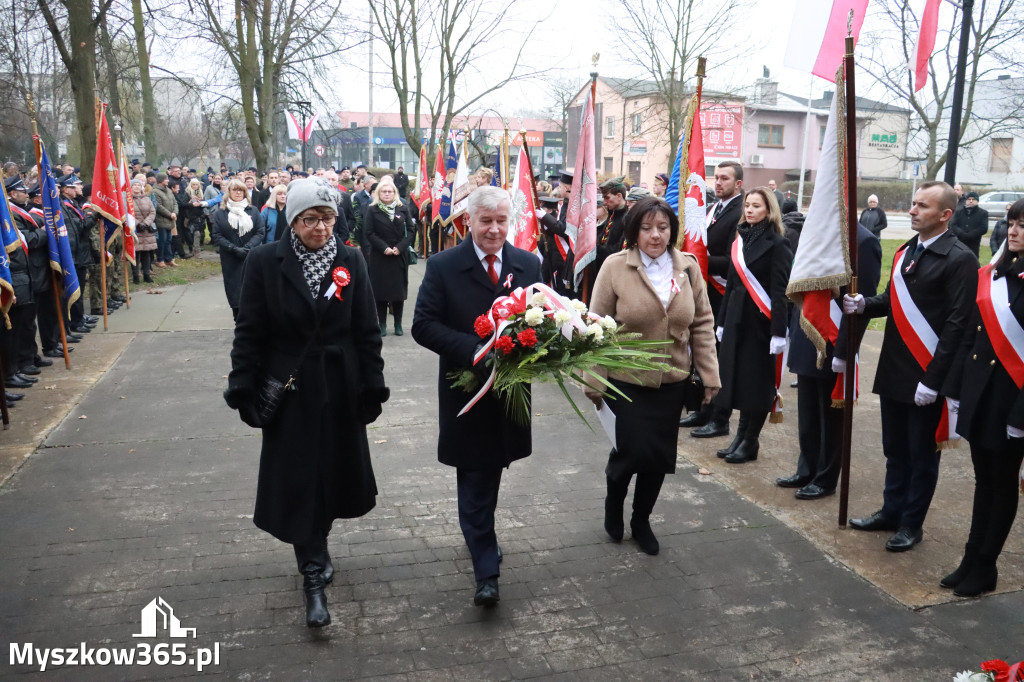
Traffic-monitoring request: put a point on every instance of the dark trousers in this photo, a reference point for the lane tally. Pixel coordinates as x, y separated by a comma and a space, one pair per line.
478, 498
78, 311
645, 493
23, 323
996, 477
911, 459
312, 556
46, 315
820, 432
10, 362
143, 259
396, 310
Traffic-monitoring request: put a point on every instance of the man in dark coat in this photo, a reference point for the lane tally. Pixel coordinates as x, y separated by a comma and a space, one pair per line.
722, 219
461, 284
940, 280
820, 424
402, 183
609, 240
970, 223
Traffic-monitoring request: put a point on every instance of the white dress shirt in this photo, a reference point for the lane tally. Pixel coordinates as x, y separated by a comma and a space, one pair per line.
659, 271
481, 256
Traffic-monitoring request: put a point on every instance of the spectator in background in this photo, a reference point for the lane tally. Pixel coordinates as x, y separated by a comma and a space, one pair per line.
145, 230
970, 223
402, 183
960, 198
237, 229
273, 214
998, 235
792, 222
873, 217
660, 185
778, 195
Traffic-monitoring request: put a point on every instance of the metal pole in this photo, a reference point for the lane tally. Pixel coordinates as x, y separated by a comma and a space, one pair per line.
369, 52
302, 137
803, 154
853, 345
953, 147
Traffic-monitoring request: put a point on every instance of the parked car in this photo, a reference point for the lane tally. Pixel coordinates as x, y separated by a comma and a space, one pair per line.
995, 202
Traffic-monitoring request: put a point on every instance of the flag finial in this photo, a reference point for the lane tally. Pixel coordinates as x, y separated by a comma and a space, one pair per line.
849, 24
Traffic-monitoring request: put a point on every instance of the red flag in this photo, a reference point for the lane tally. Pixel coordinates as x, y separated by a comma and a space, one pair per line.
817, 36
437, 186
523, 230
925, 43
423, 182
695, 230
581, 218
106, 196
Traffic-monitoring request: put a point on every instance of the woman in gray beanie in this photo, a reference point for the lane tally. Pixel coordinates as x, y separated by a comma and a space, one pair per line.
237, 229
307, 318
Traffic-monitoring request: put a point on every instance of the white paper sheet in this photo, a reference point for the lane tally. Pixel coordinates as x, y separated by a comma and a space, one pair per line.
607, 419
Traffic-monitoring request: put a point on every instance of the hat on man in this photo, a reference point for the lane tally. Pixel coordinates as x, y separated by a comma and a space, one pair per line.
565, 177
35, 190
68, 180
971, 195
15, 184
613, 183
663, 177
307, 193
637, 193
550, 201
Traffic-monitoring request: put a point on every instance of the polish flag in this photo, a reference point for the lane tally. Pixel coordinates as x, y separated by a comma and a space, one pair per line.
296, 131
817, 38
925, 43
523, 231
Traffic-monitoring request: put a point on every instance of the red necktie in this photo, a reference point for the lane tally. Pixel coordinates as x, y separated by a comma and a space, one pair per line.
491, 272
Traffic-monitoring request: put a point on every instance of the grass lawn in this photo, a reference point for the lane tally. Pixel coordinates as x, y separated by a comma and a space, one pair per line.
889, 247
188, 271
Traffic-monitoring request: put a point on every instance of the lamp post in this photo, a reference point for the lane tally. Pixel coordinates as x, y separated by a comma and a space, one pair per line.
304, 109
953, 147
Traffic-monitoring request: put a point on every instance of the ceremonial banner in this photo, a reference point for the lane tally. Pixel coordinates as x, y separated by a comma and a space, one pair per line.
460, 186
422, 192
694, 236
925, 43
295, 129
56, 231
523, 229
11, 241
451, 167
437, 186
581, 218
128, 206
822, 262
106, 190
817, 36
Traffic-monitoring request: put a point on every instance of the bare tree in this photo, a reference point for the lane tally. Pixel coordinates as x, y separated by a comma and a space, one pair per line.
663, 38
145, 84
449, 40
996, 32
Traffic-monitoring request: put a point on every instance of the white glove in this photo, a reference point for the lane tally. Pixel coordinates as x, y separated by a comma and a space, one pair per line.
718, 333
924, 395
1014, 432
955, 406
838, 366
853, 304
777, 345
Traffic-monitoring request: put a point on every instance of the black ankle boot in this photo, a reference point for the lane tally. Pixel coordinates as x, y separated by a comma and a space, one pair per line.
748, 448
398, 329
317, 614
957, 576
644, 536
981, 578
741, 429
383, 330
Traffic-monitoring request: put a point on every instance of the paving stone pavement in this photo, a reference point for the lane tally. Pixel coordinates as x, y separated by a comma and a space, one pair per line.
152, 496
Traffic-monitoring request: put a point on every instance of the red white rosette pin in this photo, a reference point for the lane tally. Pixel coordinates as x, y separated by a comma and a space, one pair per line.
342, 278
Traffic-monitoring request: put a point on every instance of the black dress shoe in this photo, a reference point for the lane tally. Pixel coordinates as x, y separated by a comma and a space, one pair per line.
82, 329
746, 452
877, 521
693, 419
93, 320
53, 353
30, 370
644, 537
904, 539
13, 397
30, 380
317, 614
15, 382
813, 492
711, 430
794, 481
42, 362
487, 593
74, 338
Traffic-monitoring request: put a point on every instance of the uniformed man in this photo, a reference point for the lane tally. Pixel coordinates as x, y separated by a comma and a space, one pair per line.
609, 240
557, 267
80, 224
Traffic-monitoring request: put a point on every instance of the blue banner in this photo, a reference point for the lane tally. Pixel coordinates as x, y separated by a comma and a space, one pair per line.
10, 241
57, 232
672, 191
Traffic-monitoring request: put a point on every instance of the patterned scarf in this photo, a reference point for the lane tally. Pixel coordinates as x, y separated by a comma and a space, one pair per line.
750, 233
315, 264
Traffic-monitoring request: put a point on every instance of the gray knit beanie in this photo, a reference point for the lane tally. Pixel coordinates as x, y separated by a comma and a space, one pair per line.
309, 193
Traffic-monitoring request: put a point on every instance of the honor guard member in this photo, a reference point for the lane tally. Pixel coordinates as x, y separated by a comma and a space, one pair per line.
927, 305
722, 218
609, 240
79, 226
96, 246
556, 269
20, 338
635, 194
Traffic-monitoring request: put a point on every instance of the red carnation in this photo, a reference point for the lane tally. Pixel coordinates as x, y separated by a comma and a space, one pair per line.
527, 337
483, 326
505, 344
517, 307
1001, 669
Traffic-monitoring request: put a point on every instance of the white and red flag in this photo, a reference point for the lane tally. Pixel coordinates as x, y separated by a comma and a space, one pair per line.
437, 186
695, 229
817, 37
581, 217
925, 43
106, 192
523, 230
295, 129
422, 192
128, 211
822, 262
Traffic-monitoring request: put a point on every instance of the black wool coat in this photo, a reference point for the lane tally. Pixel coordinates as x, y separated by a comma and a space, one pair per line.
389, 275
721, 234
989, 399
38, 242
943, 284
234, 249
970, 225
315, 460
455, 291
746, 366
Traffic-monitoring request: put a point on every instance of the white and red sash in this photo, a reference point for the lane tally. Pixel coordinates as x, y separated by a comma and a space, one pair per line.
24, 216
1004, 330
921, 340
835, 315
750, 283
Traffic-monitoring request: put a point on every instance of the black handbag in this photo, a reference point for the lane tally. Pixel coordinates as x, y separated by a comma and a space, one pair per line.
693, 391
271, 391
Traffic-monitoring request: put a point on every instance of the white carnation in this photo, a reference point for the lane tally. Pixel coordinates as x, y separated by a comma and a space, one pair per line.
539, 299
562, 317
534, 316
609, 323
580, 306
595, 330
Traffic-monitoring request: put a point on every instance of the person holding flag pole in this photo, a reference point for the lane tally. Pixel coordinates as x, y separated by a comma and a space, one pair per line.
105, 200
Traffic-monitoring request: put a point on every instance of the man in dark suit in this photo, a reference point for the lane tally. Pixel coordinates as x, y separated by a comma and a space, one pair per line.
461, 284
940, 281
819, 424
970, 223
723, 217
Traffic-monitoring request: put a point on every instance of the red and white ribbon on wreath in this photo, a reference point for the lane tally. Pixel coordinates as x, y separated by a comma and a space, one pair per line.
1004, 330
922, 341
500, 312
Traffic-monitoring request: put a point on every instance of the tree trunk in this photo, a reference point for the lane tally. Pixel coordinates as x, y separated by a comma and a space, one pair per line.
82, 71
148, 107
113, 95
